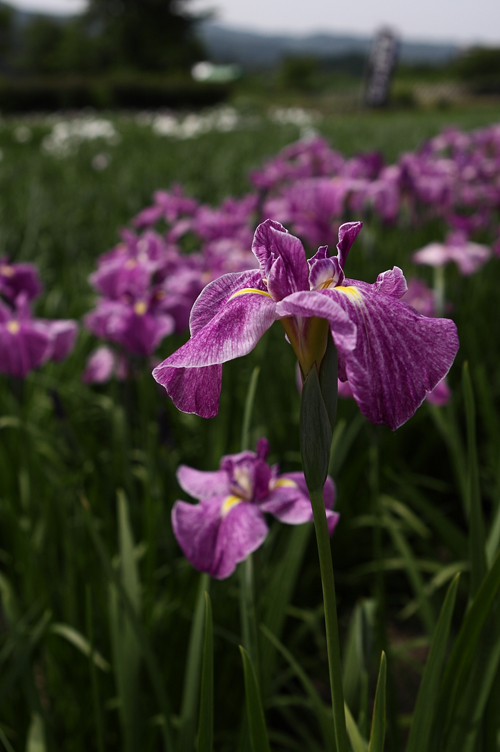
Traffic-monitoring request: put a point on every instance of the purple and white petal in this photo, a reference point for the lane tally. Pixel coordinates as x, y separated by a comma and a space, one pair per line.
272, 242
399, 355
218, 533
392, 282
212, 297
234, 331
348, 233
192, 390
317, 304
203, 485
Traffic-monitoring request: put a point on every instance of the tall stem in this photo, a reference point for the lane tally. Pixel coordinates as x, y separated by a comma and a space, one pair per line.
331, 623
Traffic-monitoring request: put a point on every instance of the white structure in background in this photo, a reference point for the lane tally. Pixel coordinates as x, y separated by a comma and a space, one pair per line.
206, 71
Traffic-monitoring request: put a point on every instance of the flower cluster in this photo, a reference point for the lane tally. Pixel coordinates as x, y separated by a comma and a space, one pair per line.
27, 342
229, 523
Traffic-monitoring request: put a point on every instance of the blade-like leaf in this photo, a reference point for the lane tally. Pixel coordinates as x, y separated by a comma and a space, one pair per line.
35, 741
323, 713
477, 537
190, 693
377, 734
429, 687
259, 740
76, 639
206, 723
464, 648
358, 744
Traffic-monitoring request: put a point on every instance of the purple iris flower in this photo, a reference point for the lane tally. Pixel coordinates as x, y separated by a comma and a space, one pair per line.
229, 524
468, 256
23, 344
390, 354
19, 278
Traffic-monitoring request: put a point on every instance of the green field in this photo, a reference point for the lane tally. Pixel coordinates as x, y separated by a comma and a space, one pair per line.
79, 463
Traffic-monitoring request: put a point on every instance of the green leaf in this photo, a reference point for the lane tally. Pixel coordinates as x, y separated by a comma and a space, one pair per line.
76, 639
477, 536
259, 740
328, 375
358, 744
190, 694
247, 416
315, 433
35, 741
322, 712
206, 723
377, 734
429, 688
464, 648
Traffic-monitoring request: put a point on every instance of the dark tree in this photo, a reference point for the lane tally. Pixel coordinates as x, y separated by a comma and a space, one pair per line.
145, 35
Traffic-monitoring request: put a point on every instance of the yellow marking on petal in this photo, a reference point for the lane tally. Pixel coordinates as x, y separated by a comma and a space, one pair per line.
13, 327
247, 291
130, 264
7, 271
229, 503
140, 308
285, 483
352, 292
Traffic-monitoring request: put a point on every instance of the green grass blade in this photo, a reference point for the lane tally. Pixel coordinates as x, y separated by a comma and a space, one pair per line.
8, 746
206, 723
247, 416
149, 657
429, 688
259, 740
322, 712
377, 734
35, 741
78, 641
464, 648
358, 744
477, 537
190, 695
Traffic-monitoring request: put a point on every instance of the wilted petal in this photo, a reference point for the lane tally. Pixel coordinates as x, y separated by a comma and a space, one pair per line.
399, 354
215, 540
202, 485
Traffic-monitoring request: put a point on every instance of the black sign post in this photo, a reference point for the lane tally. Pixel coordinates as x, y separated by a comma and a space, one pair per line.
381, 65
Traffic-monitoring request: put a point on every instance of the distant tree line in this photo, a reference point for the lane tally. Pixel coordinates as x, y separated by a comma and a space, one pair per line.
122, 36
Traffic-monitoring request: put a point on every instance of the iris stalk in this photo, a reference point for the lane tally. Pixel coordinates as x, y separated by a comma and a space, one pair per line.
317, 418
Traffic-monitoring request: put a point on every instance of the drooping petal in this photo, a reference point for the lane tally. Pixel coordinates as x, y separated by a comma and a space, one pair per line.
203, 485
192, 390
399, 355
282, 259
218, 533
348, 233
317, 304
209, 301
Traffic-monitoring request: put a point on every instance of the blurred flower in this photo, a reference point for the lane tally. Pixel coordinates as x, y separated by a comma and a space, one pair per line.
469, 257
19, 278
100, 161
22, 134
67, 135
102, 364
229, 524
391, 355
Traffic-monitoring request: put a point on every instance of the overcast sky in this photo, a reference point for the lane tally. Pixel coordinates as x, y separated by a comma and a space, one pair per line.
466, 21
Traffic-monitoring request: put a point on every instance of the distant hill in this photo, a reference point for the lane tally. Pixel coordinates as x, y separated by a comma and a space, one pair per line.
254, 50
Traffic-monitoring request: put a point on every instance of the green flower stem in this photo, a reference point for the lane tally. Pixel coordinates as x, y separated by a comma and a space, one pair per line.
332, 628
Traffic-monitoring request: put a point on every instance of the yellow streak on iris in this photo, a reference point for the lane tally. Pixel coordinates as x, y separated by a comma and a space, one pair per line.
7, 271
247, 291
13, 327
285, 483
352, 292
229, 503
140, 308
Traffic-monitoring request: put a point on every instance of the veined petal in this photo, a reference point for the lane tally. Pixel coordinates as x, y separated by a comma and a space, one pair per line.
348, 233
289, 501
399, 355
315, 303
209, 301
202, 485
192, 390
215, 538
282, 259
392, 282
232, 332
